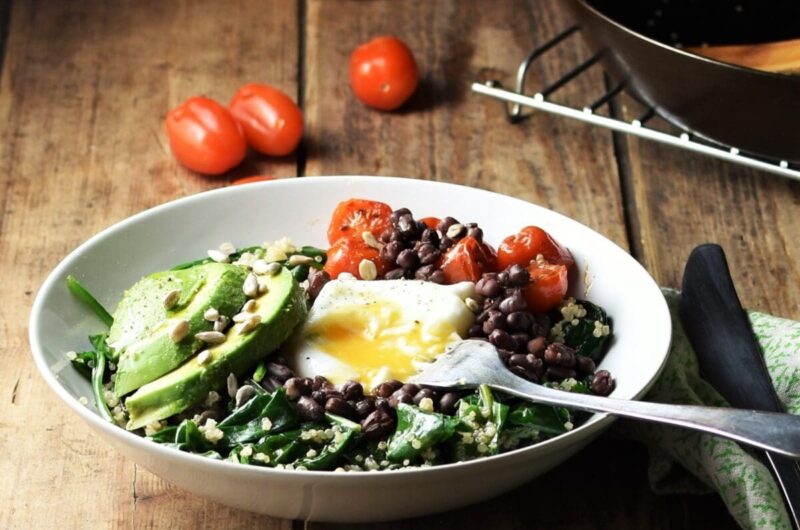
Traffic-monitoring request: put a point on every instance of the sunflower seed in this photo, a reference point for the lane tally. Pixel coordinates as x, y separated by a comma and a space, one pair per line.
227, 248
371, 240
455, 230
221, 323
203, 357
244, 394
211, 314
179, 330
250, 286
219, 257
299, 259
260, 266
367, 270
210, 337
233, 385
171, 298
249, 306
241, 317
250, 324
274, 268
263, 287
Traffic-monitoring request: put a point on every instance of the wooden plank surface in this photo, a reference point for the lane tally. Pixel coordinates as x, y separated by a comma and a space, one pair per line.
85, 87
83, 92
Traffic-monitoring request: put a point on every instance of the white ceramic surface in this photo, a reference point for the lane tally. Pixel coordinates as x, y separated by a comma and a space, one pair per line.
183, 230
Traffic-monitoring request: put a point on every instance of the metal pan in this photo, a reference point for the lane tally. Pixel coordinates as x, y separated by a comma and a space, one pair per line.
755, 111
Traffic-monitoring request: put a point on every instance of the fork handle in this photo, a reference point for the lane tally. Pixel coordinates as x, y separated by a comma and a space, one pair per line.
773, 431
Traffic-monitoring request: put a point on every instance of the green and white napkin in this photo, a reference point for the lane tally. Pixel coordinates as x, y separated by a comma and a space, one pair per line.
689, 462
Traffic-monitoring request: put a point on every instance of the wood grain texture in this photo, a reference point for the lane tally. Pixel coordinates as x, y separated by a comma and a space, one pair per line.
683, 199
84, 90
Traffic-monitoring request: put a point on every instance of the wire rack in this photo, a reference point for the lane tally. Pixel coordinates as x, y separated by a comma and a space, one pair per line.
675, 136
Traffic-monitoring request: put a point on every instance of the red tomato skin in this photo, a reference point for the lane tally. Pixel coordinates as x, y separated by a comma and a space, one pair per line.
383, 73
523, 247
354, 216
431, 222
249, 180
549, 284
345, 255
271, 121
467, 260
204, 136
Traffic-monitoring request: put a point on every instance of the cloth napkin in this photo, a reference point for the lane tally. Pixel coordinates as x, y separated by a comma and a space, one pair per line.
683, 461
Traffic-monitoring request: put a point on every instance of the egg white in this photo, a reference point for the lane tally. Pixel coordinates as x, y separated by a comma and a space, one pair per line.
373, 331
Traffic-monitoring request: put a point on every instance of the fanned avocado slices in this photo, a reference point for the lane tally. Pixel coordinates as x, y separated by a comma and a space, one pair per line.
140, 336
279, 310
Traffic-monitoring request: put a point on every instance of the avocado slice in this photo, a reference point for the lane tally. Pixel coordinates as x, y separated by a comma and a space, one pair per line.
140, 335
281, 308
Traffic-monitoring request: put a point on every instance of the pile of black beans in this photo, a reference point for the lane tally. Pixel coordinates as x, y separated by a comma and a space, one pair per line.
376, 413
413, 250
521, 336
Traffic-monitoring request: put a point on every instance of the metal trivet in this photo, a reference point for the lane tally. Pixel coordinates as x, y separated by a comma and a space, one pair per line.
679, 138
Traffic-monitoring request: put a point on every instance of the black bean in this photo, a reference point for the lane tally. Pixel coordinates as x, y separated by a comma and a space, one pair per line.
518, 276
475, 232
430, 236
386, 235
316, 281
320, 396
407, 227
475, 330
390, 251
520, 321
397, 214
502, 278
331, 393
270, 384
541, 326
386, 388
340, 407
437, 276
559, 373
410, 388
502, 339
352, 390
281, 372
377, 425
513, 303
309, 409
447, 403
394, 274
407, 259
383, 404
517, 359
365, 406
488, 286
521, 340
428, 254
585, 365
320, 382
424, 272
400, 396
297, 386
422, 394
602, 383
558, 354
446, 223
445, 243
495, 320
536, 346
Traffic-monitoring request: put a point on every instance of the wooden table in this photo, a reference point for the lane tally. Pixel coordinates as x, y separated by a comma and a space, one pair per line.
85, 87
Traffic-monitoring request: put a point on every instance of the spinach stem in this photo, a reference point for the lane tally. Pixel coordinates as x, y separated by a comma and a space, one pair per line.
97, 386
86, 297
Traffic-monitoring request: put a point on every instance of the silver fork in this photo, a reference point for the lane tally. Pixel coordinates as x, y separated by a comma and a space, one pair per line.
474, 362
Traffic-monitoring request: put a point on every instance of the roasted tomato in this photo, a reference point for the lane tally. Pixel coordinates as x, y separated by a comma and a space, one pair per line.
523, 247
204, 136
346, 255
271, 121
467, 260
383, 73
353, 217
431, 222
548, 286
248, 180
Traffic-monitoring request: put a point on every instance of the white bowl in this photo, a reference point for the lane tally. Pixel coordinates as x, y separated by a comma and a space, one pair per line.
245, 215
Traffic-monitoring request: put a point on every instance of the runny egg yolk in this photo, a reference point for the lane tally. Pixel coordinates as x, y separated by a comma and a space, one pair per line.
373, 331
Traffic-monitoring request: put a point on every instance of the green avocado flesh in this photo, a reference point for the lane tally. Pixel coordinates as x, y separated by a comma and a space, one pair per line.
140, 335
282, 307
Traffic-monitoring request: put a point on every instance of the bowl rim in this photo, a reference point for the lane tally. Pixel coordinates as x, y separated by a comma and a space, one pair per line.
600, 421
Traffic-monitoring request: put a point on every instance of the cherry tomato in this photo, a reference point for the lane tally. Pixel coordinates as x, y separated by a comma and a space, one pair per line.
523, 247
467, 260
345, 255
204, 136
547, 288
353, 217
271, 121
383, 73
431, 222
248, 180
